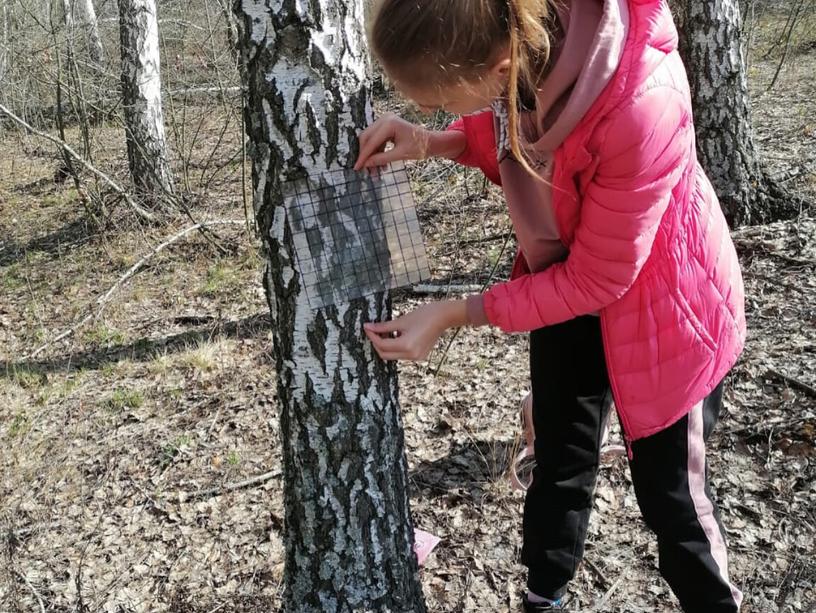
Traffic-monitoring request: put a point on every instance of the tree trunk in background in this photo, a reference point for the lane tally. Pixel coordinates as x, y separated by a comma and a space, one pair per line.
88, 21
141, 99
231, 29
348, 529
711, 48
5, 40
80, 15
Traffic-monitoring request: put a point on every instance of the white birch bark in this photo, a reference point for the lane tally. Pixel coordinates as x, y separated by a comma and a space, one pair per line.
90, 24
712, 49
5, 40
141, 98
348, 530
68, 16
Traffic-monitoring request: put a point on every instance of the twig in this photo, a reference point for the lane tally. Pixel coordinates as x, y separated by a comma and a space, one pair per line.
143, 213
484, 239
800, 385
229, 487
756, 428
773, 281
598, 572
33, 590
14, 534
761, 247
153, 504
600, 605
105, 298
213, 422
180, 22
482, 289
446, 289
788, 581
792, 22
244, 198
793, 172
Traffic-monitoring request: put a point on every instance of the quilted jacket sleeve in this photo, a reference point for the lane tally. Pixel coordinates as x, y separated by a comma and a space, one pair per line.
480, 151
643, 151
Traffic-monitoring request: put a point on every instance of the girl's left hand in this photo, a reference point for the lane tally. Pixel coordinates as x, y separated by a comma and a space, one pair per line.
412, 336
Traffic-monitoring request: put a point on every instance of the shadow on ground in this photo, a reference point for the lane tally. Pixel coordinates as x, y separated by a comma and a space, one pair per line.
468, 465
70, 235
144, 349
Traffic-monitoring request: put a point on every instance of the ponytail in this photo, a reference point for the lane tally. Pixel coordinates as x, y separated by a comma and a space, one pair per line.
529, 53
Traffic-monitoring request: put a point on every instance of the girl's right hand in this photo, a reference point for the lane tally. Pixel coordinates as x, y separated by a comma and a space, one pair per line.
411, 142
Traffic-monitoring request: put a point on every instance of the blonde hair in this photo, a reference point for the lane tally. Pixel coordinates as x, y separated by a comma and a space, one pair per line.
456, 40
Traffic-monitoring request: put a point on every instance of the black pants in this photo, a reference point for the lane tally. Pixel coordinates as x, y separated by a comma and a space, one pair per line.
571, 399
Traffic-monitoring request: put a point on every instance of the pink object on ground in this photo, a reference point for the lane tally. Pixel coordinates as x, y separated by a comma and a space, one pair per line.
424, 544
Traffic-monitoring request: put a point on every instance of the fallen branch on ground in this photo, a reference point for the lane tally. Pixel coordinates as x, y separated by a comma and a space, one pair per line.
601, 605
140, 211
229, 487
422, 289
795, 383
103, 300
33, 590
601, 576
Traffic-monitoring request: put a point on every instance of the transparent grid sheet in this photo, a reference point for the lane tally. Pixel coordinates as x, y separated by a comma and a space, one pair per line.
355, 234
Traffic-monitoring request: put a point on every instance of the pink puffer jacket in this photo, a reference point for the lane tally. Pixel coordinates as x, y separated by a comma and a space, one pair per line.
648, 245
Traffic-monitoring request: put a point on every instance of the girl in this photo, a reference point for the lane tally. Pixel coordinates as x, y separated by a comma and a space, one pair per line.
626, 277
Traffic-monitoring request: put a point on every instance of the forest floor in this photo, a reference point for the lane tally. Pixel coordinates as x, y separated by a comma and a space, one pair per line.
122, 446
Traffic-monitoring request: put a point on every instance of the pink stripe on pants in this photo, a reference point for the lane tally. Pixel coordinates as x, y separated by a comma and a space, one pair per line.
702, 505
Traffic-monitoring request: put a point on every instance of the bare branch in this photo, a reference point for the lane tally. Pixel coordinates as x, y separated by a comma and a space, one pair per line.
428, 288
230, 486
143, 213
33, 590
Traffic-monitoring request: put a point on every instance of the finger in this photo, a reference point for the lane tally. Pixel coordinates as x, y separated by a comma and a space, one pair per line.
390, 357
380, 327
373, 128
365, 137
383, 353
383, 159
386, 352
397, 344
401, 355
375, 169
393, 357
364, 142
380, 136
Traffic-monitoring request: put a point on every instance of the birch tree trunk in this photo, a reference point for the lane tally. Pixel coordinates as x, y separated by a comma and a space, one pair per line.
348, 529
80, 14
5, 40
141, 99
712, 49
91, 25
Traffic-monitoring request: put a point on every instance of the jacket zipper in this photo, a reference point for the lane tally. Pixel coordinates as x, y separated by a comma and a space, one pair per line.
628, 442
615, 395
